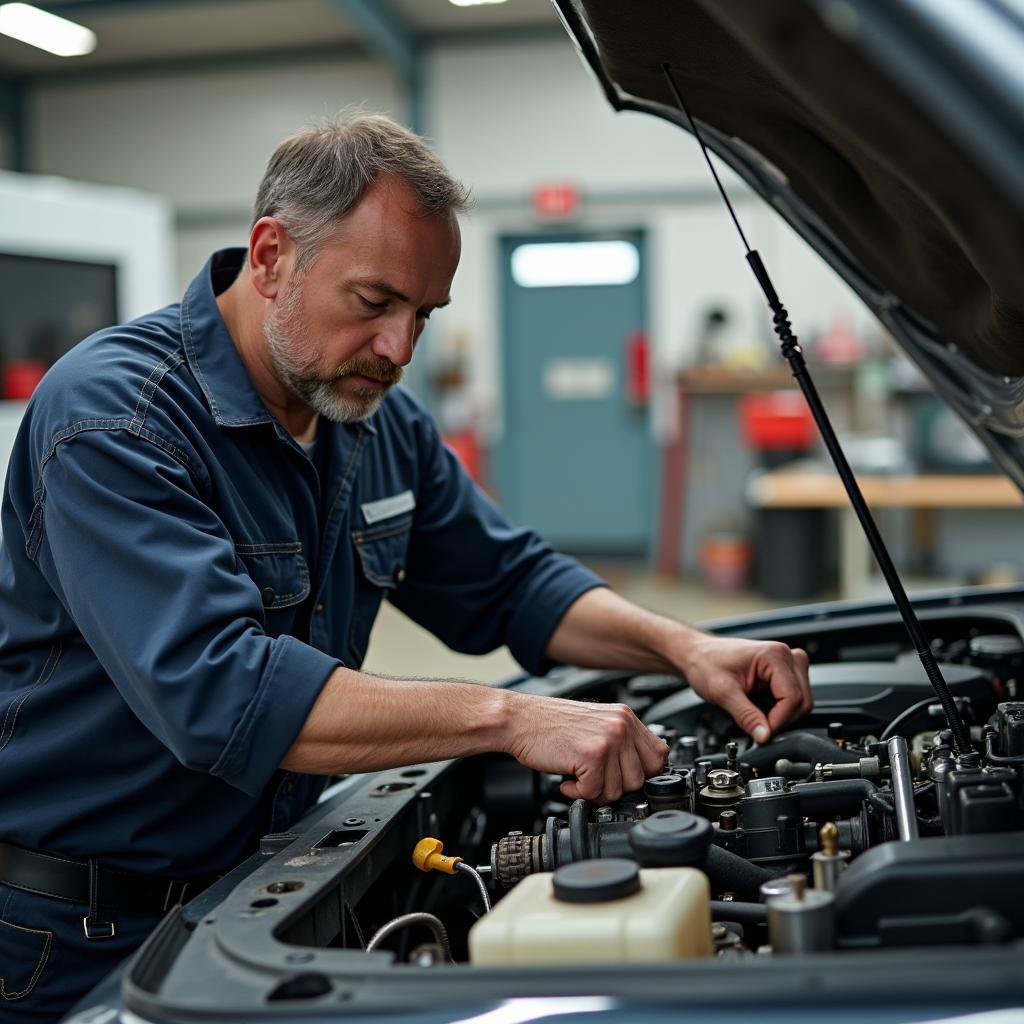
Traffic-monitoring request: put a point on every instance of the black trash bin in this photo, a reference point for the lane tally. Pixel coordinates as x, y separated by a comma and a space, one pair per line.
790, 552
790, 543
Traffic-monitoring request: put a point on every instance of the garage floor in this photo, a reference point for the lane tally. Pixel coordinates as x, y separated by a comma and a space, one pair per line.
401, 648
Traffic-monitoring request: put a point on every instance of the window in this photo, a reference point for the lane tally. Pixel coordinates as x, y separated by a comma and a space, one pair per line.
563, 264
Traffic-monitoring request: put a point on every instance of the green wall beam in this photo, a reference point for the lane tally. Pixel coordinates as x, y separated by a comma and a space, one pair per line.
388, 36
14, 117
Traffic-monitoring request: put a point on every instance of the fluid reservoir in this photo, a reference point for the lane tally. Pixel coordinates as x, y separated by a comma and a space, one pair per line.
598, 911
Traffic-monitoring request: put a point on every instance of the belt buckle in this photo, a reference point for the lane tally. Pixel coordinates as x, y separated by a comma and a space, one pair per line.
96, 929
175, 895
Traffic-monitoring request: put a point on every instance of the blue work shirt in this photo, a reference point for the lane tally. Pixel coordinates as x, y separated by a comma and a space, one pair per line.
177, 582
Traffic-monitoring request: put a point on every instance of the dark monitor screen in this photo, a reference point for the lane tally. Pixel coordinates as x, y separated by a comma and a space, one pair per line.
48, 305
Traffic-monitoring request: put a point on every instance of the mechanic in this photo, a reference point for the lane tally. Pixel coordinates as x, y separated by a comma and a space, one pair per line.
203, 512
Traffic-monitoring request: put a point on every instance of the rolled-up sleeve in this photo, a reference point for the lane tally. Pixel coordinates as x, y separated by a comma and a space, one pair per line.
151, 578
475, 580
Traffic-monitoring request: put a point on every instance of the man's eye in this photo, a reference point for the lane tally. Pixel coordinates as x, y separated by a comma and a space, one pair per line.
376, 306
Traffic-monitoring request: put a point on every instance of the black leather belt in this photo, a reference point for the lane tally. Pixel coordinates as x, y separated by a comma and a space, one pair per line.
67, 879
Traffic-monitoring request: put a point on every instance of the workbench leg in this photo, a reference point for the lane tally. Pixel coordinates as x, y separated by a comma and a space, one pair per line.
675, 468
854, 556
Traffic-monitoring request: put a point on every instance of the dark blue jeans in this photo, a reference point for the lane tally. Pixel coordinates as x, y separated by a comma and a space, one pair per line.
46, 962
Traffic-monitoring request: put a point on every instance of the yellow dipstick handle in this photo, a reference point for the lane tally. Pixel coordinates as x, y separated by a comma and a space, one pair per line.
428, 857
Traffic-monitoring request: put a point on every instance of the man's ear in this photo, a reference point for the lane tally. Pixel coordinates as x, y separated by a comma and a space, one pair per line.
270, 256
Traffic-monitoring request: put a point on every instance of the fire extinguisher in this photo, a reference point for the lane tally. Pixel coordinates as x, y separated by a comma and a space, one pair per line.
638, 368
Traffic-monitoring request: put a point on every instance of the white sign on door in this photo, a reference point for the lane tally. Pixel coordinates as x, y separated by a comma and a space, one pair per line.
574, 380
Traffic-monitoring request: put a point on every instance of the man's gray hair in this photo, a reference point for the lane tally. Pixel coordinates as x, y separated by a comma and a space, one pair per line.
316, 176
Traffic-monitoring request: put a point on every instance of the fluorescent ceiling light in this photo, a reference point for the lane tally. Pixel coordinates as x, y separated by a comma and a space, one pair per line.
40, 28
474, 3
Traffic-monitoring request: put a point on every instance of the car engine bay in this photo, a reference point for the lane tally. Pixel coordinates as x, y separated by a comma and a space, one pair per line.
851, 842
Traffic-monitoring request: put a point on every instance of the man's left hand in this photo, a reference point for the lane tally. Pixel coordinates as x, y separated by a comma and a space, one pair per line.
726, 670
603, 630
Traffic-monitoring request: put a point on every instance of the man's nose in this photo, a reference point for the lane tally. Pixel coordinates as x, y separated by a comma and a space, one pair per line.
396, 342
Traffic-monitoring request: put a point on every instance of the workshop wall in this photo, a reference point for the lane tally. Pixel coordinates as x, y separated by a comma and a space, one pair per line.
201, 140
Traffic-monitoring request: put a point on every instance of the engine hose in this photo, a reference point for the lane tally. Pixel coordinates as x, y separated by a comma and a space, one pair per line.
728, 872
882, 802
579, 830
743, 913
819, 800
798, 746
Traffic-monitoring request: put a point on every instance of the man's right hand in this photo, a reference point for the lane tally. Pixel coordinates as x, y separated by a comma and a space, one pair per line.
363, 723
605, 747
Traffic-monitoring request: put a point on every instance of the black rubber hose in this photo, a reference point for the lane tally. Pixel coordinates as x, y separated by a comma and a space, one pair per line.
729, 872
820, 800
906, 715
744, 913
798, 746
579, 830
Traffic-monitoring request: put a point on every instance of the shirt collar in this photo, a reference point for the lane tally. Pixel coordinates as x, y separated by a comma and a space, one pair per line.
210, 351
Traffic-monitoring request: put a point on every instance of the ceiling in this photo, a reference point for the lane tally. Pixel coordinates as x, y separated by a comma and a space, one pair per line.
137, 33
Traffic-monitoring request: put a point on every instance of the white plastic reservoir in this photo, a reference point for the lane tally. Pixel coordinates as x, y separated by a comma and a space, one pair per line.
597, 911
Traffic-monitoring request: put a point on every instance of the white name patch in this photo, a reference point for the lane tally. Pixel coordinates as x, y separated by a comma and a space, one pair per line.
386, 508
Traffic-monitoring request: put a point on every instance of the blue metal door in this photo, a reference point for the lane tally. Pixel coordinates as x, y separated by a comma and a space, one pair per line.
575, 460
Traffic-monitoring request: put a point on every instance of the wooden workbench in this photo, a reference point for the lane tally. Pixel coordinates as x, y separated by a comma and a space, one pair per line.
803, 489
716, 382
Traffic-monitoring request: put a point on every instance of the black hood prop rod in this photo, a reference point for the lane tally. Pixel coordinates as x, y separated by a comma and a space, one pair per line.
793, 355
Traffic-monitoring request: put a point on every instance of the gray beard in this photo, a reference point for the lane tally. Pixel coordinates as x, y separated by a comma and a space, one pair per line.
282, 330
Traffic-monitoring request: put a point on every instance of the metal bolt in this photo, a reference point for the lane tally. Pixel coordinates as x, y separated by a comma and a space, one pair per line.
353, 822
722, 778
828, 836
427, 955
798, 885
689, 747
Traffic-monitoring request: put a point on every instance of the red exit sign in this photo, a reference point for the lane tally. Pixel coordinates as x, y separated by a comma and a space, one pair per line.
556, 200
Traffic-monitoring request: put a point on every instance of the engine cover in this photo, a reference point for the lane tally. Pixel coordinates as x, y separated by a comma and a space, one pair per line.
864, 695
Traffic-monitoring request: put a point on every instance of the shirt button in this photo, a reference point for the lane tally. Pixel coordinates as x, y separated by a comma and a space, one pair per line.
319, 609
268, 596
399, 574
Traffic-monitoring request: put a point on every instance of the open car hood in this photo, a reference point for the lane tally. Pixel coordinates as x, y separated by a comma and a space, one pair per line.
888, 133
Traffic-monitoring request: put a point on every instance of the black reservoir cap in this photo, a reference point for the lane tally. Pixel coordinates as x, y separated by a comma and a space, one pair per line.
674, 785
671, 839
596, 881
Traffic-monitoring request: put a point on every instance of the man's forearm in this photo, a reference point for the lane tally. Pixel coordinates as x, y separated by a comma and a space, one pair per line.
366, 723
603, 630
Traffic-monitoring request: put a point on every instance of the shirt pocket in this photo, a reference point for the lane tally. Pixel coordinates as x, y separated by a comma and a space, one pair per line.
282, 578
382, 551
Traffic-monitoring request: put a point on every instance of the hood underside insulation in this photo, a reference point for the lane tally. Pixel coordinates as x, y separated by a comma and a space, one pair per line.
912, 205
